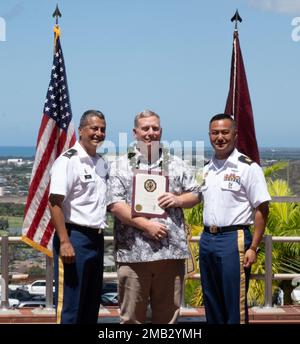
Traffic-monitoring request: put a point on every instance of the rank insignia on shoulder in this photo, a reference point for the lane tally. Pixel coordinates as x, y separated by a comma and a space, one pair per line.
245, 159
69, 153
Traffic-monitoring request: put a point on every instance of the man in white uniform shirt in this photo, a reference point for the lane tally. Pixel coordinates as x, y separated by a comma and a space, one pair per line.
235, 196
77, 204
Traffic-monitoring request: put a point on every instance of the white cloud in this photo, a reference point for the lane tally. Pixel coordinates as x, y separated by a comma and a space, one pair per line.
280, 6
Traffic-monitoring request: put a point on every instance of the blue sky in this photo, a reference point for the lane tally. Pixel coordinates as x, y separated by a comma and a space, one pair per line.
171, 56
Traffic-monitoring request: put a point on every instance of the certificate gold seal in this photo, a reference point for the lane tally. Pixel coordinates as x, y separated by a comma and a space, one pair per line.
138, 207
150, 185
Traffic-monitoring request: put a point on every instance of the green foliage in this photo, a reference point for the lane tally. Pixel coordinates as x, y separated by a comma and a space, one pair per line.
3, 223
12, 209
3, 232
194, 216
36, 271
110, 223
15, 221
271, 171
283, 220
193, 293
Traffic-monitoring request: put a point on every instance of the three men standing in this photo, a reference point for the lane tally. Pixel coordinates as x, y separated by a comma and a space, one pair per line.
150, 251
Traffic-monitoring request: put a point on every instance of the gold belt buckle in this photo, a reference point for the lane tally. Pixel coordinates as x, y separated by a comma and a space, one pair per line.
213, 229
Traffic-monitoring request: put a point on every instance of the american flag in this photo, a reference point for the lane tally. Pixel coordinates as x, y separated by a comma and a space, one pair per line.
56, 134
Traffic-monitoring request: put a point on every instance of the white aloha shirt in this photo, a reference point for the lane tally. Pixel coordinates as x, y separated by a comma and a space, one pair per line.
133, 245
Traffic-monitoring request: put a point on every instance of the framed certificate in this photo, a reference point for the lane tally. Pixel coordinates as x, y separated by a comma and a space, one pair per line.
147, 187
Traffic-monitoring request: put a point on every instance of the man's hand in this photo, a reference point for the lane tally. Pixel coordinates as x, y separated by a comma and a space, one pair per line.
169, 200
67, 252
250, 258
156, 230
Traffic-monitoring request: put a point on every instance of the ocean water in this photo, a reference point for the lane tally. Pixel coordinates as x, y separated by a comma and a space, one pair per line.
266, 153
17, 151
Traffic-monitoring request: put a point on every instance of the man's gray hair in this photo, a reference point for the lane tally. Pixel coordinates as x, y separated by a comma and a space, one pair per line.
88, 114
144, 114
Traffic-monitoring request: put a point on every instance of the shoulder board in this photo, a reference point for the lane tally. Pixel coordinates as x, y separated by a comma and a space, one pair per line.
69, 153
245, 159
206, 162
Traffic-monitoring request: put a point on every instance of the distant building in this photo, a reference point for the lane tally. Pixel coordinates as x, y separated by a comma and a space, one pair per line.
16, 162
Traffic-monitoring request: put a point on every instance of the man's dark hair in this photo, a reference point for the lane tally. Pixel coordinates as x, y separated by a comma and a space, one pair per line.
90, 113
220, 116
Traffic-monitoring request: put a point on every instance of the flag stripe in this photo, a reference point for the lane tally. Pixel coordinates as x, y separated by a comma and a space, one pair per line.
42, 166
35, 201
46, 130
42, 207
38, 214
48, 233
33, 220
45, 122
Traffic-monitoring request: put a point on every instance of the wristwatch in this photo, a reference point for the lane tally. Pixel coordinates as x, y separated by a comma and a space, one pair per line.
254, 249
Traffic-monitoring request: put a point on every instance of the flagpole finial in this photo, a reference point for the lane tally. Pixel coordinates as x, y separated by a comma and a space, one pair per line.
236, 18
56, 14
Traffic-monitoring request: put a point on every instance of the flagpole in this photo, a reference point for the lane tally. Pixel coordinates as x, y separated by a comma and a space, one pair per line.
56, 28
236, 18
56, 14
49, 259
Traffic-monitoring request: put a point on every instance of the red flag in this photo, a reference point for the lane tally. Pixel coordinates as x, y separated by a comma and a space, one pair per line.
56, 134
239, 104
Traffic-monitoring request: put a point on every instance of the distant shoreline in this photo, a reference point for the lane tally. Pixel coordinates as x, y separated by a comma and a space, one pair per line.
269, 153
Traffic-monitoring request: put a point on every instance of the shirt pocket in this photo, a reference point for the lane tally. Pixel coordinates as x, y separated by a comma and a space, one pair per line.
88, 186
231, 193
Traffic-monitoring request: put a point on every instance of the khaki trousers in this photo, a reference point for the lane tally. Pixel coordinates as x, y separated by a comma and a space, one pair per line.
157, 283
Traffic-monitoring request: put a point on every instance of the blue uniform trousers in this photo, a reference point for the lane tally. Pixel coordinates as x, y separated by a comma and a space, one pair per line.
78, 285
224, 279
